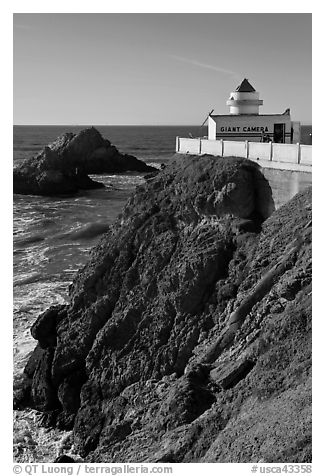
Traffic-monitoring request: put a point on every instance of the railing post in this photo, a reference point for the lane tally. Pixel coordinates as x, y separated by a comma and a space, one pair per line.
221, 143
200, 146
271, 151
177, 144
298, 152
247, 148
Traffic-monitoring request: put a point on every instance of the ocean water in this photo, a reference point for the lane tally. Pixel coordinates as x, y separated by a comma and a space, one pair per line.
53, 237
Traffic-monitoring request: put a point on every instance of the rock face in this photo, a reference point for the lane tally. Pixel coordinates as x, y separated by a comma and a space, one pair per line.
187, 338
63, 166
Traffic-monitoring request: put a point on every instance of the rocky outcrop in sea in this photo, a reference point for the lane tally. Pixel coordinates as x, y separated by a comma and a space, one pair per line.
63, 166
188, 333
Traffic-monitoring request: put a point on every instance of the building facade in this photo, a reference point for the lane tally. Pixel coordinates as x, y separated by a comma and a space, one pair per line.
245, 123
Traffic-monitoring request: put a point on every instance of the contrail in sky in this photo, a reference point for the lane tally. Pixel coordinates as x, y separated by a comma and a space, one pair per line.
207, 66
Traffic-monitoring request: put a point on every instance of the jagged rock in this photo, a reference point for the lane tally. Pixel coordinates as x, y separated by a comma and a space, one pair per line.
62, 167
42, 391
44, 329
170, 325
21, 391
34, 360
229, 376
64, 459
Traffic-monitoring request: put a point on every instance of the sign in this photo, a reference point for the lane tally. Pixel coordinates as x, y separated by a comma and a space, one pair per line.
244, 129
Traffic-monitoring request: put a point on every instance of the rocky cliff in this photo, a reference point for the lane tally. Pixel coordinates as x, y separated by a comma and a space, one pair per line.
63, 166
187, 336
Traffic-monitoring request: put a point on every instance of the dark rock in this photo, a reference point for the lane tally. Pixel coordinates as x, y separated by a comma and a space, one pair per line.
21, 391
69, 391
43, 393
64, 459
34, 360
48, 418
151, 175
186, 401
44, 329
169, 329
229, 376
62, 167
48, 174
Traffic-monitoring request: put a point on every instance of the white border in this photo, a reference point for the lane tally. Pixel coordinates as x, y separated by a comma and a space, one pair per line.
65, 6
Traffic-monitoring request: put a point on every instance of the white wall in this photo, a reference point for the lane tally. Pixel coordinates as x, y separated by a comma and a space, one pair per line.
285, 153
189, 146
260, 150
305, 154
237, 149
275, 154
213, 147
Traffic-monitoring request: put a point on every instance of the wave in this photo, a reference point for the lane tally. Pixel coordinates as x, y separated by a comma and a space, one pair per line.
29, 240
27, 279
28, 147
47, 222
85, 232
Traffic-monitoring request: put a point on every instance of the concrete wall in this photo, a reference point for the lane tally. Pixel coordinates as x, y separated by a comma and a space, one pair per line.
259, 150
189, 146
305, 154
285, 153
286, 183
212, 147
237, 149
268, 154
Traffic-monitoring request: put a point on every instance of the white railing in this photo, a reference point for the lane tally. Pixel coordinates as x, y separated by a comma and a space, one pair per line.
258, 151
305, 154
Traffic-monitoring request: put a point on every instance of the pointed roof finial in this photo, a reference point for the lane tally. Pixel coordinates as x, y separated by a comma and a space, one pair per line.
245, 87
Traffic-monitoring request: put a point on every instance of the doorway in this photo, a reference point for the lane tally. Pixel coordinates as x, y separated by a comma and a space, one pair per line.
279, 133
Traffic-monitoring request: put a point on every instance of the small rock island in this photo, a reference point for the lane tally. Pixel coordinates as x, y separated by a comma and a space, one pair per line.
62, 167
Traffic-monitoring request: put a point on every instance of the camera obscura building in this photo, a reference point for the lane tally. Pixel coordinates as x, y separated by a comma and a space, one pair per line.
244, 122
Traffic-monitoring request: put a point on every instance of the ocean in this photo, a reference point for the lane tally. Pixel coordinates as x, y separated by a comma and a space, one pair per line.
53, 237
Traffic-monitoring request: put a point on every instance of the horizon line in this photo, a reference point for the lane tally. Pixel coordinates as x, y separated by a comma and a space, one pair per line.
108, 125
303, 123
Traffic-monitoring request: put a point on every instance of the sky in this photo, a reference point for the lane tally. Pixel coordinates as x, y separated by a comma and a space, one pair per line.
155, 69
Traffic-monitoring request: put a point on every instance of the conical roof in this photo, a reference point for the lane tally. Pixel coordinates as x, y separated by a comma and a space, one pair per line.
245, 87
